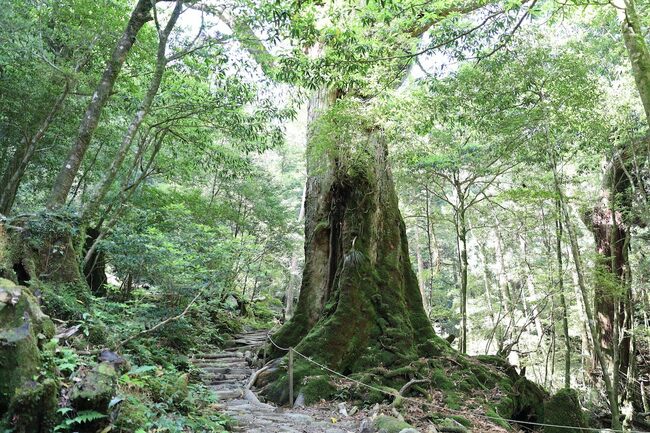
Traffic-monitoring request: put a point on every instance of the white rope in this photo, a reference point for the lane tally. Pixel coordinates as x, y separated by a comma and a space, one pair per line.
415, 401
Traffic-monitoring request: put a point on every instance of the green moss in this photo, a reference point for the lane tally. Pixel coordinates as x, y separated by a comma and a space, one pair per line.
96, 389
440, 379
322, 225
133, 415
33, 407
315, 388
22, 329
497, 419
505, 407
66, 301
452, 400
452, 423
388, 424
461, 420
528, 399
564, 409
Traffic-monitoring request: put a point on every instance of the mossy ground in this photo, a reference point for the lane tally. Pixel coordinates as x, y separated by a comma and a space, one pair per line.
455, 385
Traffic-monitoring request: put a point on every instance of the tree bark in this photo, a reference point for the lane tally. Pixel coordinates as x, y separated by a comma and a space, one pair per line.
125, 194
486, 279
420, 267
90, 120
359, 296
637, 49
611, 232
530, 286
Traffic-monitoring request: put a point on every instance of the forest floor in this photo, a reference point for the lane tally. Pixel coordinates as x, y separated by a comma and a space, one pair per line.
228, 371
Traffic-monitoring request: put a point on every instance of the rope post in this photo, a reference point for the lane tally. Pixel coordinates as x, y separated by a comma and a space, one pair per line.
291, 377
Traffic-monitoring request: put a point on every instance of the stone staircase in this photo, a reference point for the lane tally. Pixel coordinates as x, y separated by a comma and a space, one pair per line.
227, 373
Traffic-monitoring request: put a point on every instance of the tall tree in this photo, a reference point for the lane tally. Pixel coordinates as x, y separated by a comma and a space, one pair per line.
63, 183
162, 59
359, 297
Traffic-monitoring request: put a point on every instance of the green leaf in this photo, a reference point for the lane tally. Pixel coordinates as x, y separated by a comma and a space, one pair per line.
86, 416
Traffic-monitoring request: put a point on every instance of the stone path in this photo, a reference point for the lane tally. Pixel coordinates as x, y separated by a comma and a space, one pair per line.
228, 372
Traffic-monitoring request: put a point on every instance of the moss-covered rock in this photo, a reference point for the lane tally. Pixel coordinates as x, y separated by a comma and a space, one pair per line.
95, 390
6, 265
563, 409
33, 407
66, 301
132, 415
389, 424
26, 404
38, 250
315, 388
45, 246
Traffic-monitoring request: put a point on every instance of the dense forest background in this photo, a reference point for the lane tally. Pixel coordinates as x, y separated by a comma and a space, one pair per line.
163, 169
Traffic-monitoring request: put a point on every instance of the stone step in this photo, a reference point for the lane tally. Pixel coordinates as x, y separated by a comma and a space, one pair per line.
245, 334
240, 378
213, 368
226, 386
230, 364
228, 394
228, 370
216, 355
248, 339
242, 349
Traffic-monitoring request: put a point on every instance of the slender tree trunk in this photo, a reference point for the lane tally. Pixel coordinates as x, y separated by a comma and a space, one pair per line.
90, 120
486, 279
637, 49
504, 289
420, 267
530, 286
462, 239
16, 168
294, 277
587, 353
126, 193
560, 288
612, 393
430, 242
145, 105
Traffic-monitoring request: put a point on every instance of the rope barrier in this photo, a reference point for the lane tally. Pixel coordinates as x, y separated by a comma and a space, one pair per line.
415, 401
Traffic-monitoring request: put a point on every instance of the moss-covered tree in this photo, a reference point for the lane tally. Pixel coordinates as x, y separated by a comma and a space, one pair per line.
360, 303
360, 306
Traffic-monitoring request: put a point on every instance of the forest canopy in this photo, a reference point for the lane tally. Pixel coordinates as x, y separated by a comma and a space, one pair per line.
434, 212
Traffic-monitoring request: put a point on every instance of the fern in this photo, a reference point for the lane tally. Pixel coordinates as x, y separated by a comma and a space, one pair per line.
86, 416
82, 417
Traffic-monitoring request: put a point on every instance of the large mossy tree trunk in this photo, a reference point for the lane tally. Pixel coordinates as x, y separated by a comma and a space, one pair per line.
610, 224
611, 238
360, 304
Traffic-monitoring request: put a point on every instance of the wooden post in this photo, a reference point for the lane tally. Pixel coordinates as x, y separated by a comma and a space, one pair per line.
291, 377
